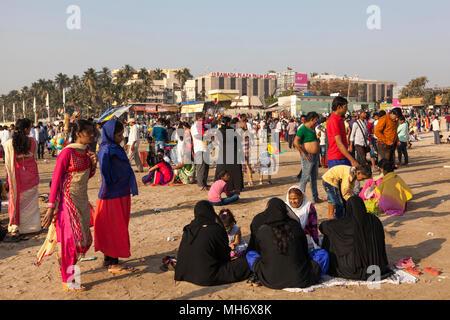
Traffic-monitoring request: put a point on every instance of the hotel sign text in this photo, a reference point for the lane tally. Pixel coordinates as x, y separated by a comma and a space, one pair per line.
243, 75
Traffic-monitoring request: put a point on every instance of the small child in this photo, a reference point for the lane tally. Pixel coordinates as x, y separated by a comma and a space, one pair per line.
235, 240
219, 187
265, 163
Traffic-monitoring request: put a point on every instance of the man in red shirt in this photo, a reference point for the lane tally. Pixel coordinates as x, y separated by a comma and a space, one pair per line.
337, 137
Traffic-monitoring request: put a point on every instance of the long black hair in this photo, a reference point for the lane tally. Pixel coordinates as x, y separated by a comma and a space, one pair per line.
79, 126
21, 143
282, 233
278, 220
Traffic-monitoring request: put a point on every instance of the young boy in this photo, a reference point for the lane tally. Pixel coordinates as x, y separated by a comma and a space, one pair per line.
219, 187
339, 183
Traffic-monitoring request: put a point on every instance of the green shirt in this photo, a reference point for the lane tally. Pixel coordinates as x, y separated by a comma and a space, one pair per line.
306, 135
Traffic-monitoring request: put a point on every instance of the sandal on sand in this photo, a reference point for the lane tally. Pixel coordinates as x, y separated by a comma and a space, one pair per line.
253, 281
169, 263
73, 287
405, 263
122, 270
413, 270
432, 270
14, 238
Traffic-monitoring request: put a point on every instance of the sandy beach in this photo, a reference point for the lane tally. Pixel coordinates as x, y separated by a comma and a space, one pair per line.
422, 233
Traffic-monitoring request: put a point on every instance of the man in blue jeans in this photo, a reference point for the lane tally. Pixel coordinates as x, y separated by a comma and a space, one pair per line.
307, 144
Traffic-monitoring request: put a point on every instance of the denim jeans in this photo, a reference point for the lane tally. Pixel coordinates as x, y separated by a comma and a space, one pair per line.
310, 172
334, 197
437, 139
226, 201
159, 145
402, 151
339, 162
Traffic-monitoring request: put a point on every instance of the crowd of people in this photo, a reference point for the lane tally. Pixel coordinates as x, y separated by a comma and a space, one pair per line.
287, 247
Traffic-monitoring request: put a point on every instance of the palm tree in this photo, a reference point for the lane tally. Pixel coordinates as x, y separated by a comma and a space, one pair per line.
158, 74
179, 75
105, 88
128, 71
90, 81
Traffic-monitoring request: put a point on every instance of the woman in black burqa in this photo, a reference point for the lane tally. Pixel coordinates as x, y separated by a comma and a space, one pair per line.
204, 254
283, 260
232, 166
355, 242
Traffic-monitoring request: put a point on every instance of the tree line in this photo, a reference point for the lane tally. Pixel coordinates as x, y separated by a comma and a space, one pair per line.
416, 88
92, 93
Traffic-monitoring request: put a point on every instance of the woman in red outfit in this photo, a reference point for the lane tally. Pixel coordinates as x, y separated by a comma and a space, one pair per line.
112, 213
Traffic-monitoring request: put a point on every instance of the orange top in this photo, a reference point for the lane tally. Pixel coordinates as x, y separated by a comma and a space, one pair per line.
386, 130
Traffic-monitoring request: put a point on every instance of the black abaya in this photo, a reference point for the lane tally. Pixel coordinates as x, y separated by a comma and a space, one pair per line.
292, 269
355, 242
204, 255
236, 181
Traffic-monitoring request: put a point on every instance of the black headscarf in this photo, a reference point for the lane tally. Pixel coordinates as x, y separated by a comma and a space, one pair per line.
359, 237
204, 215
276, 212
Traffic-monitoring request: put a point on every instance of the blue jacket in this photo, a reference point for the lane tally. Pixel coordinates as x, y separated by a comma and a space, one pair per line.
159, 133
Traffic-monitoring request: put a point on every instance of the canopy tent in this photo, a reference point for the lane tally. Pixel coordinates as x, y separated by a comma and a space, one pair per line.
113, 112
192, 108
246, 101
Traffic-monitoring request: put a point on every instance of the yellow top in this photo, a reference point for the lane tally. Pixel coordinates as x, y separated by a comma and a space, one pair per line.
342, 176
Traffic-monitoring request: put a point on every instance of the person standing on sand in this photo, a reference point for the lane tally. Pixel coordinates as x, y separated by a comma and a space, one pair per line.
436, 129
386, 132
133, 144
23, 180
70, 224
307, 144
112, 213
337, 136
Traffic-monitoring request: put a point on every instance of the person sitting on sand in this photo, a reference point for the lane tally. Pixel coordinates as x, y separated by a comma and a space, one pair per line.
303, 211
160, 174
219, 187
204, 254
235, 241
184, 173
392, 193
280, 258
355, 243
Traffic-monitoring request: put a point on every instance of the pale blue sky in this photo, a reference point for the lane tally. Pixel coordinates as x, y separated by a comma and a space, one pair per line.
226, 36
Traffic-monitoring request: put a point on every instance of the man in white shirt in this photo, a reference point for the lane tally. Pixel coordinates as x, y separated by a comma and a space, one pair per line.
201, 167
133, 144
436, 130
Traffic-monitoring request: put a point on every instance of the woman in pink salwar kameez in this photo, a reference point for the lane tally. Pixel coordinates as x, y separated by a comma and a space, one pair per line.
70, 225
